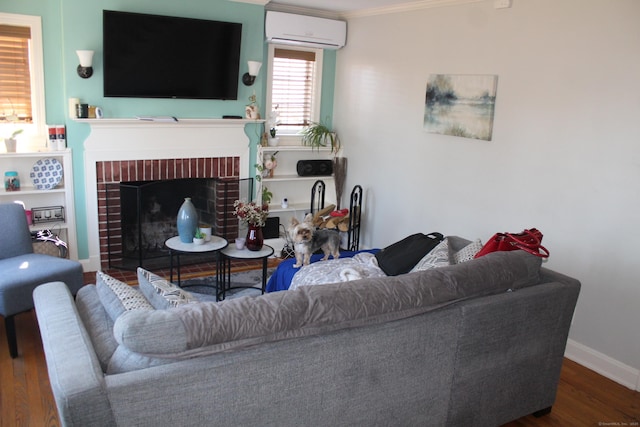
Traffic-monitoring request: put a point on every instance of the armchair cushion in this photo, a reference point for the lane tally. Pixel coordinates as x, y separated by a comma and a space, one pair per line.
22, 274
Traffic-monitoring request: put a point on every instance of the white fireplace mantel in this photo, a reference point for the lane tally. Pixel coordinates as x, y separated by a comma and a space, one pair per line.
133, 139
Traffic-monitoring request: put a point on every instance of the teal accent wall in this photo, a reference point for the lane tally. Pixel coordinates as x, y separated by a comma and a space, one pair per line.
70, 25
328, 85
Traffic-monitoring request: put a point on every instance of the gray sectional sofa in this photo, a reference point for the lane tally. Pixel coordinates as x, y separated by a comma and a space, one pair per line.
479, 343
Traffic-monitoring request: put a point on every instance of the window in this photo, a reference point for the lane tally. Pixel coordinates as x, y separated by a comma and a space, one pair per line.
15, 77
294, 86
21, 75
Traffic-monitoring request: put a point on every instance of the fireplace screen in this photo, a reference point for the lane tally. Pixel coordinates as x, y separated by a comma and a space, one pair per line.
148, 212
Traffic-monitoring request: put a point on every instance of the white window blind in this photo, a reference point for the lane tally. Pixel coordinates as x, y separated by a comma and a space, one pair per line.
293, 86
15, 78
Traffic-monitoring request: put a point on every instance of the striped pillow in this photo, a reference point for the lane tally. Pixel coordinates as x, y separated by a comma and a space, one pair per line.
160, 292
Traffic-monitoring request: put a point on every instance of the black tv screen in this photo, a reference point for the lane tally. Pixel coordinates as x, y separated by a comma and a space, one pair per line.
153, 56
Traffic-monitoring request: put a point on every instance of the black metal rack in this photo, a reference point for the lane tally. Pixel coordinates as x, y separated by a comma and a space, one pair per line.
355, 213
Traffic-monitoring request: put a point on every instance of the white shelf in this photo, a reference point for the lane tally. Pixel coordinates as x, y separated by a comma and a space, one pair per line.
49, 225
277, 178
34, 154
62, 195
287, 183
27, 190
292, 207
297, 148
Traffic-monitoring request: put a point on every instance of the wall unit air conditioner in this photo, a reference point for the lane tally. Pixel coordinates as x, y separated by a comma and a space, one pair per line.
302, 30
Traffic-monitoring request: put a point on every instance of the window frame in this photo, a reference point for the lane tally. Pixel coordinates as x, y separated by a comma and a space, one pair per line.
317, 85
36, 64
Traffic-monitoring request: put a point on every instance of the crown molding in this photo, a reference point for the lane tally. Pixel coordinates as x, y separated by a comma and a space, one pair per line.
298, 10
258, 2
405, 7
384, 10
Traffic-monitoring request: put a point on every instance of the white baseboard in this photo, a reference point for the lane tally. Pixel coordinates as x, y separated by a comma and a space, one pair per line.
603, 364
90, 264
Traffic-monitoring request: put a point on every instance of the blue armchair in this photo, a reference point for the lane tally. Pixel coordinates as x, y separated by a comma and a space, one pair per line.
21, 271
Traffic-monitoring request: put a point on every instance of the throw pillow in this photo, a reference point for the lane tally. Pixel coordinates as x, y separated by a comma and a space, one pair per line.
438, 257
118, 297
160, 292
468, 252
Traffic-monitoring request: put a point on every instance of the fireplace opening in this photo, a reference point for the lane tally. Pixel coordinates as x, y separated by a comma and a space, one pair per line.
148, 212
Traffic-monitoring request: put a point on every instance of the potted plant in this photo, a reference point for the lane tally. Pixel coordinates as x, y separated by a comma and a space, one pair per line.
272, 124
319, 135
10, 142
199, 237
266, 197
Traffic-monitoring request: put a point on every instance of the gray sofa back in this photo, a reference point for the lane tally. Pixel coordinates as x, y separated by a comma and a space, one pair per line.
318, 309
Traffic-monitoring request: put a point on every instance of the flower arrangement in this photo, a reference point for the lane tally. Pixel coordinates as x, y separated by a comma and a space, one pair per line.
271, 162
251, 110
265, 169
251, 213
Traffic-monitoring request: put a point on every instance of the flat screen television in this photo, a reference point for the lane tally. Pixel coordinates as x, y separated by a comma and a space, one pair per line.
153, 56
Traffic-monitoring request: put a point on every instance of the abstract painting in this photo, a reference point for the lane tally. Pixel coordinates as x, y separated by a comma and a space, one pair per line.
460, 105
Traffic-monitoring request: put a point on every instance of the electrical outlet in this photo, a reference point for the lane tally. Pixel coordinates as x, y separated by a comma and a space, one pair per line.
501, 4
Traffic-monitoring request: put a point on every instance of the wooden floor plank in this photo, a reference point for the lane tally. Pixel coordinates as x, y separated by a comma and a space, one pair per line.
584, 398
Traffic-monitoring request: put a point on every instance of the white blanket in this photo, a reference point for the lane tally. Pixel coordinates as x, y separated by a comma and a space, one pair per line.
360, 266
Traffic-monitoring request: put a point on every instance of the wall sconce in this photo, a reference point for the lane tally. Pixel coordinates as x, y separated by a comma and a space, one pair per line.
85, 70
254, 69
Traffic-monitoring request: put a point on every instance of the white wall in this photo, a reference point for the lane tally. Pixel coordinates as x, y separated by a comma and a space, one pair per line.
565, 154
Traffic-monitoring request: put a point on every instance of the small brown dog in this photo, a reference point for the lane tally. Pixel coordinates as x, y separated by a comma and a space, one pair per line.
307, 239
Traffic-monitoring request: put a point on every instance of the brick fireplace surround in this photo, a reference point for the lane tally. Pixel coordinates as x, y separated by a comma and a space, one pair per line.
132, 150
109, 175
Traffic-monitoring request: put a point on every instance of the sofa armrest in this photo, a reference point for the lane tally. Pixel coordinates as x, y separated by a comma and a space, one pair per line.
76, 378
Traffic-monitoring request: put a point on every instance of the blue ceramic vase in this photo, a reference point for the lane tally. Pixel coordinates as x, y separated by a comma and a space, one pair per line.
187, 221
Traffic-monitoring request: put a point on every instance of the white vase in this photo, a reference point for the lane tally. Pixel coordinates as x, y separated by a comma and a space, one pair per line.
273, 142
10, 143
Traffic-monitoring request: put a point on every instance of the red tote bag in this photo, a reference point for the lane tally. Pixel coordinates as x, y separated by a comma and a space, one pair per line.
529, 241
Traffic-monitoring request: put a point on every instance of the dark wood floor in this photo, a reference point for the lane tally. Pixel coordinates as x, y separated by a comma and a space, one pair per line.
584, 397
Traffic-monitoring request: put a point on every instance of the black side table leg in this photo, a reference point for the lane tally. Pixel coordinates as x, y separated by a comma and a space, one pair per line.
264, 274
178, 261
170, 265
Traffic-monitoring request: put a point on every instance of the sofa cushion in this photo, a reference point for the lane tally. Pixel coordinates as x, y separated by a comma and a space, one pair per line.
117, 297
319, 309
97, 322
438, 257
160, 292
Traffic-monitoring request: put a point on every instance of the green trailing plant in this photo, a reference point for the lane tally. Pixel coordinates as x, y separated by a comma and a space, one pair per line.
199, 234
266, 196
319, 135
